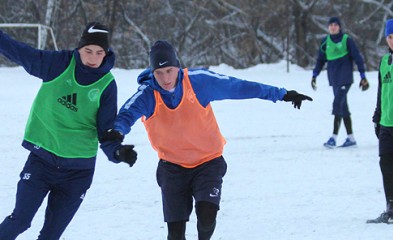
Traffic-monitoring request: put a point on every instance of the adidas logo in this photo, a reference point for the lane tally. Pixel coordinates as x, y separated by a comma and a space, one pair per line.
387, 78
337, 50
69, 101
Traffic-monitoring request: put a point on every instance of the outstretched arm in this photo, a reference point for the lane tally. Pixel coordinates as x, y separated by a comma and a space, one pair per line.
210, 86
38, 63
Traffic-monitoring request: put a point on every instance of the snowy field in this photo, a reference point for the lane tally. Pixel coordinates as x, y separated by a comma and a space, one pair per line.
281, 183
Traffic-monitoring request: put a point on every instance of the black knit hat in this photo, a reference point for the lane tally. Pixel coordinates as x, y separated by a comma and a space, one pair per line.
335, 20
162, 54
96, 34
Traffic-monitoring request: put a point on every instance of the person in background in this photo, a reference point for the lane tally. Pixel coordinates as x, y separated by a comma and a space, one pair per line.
339, 50
174, 105
383, 121
75, 104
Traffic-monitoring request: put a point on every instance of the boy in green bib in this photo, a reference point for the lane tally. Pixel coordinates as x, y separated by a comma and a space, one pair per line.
383, 120
76, 104
340, 52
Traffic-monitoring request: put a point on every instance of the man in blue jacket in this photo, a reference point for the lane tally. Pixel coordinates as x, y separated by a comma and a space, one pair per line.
339, 51
76, 103
174, 105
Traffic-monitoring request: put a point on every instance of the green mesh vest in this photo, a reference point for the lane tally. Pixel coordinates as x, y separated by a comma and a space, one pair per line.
336, 50
386, 92
63, 116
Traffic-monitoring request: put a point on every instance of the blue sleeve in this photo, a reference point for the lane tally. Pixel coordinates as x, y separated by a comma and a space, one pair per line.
109, 149
45, 65
108, 109
142, 103
105, 118
321, 59
354, 52
210, 86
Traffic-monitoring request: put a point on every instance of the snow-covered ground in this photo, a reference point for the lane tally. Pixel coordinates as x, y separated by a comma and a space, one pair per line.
281, 183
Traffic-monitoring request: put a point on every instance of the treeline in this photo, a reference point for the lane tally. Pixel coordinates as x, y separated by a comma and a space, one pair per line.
206, 32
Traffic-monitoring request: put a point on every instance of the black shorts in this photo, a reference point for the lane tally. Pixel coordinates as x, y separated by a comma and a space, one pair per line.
340, 102
180, 186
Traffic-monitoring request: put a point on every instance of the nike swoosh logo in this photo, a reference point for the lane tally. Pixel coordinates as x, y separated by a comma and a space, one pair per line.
92, 30
162, 63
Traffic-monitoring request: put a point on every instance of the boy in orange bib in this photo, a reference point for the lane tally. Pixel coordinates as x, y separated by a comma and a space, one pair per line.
174, 105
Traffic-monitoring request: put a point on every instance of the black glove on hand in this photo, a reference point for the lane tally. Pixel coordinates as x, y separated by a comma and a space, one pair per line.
112, 135
126, 153
314, 83
364, 84
377, 127
296, 98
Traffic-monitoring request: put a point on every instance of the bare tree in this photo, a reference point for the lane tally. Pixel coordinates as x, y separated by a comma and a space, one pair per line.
238, 33
50, 12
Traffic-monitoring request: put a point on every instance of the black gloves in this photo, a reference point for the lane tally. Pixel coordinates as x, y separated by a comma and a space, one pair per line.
296, 98
377, 127
126, 153
112, 135
364, 84
314, 83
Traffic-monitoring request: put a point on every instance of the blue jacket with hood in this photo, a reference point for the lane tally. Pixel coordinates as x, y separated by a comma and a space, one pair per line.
340, 71
47, 65
208, 86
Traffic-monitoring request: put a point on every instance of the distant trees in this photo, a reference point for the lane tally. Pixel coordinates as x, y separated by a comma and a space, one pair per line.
205, 32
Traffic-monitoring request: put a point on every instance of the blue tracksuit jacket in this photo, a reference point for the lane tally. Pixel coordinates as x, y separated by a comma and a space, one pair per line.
208, 86
47, 65
340, 71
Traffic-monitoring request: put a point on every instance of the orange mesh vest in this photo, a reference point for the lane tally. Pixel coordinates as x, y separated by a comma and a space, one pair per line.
187, 135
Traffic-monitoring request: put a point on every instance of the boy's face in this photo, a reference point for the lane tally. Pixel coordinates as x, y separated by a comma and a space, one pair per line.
334, 28
166, 77
389, 40
92, 55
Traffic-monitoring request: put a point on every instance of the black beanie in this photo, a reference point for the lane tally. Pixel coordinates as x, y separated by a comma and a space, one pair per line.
334, 20
162, 54
95, 34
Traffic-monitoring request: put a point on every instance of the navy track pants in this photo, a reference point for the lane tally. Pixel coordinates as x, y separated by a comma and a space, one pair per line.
66, 189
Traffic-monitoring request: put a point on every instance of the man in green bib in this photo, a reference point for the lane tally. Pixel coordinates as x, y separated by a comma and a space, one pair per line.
76, 104
383, 120
339, 51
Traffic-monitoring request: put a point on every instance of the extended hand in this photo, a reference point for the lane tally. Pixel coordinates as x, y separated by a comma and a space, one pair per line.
296, 98
126, 153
